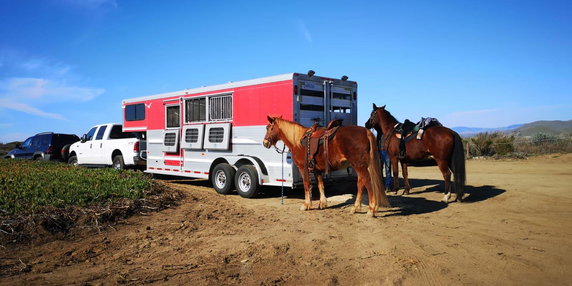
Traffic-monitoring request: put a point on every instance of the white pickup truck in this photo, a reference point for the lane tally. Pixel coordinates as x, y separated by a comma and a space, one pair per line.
108, 145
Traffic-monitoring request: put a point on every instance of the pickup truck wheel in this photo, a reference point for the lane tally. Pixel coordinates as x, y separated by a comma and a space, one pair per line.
73, 161
118, 163
246, 181
222, 178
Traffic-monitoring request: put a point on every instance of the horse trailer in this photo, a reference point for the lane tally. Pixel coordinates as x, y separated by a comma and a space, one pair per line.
216, 132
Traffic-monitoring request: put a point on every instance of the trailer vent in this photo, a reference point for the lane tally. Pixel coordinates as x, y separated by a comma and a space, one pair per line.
216, 135
192, 135
170, 139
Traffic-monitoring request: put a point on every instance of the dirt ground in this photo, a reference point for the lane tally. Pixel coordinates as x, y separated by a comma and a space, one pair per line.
515, 228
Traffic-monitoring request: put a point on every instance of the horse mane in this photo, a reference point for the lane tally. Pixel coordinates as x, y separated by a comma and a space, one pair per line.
391, 117
293, 131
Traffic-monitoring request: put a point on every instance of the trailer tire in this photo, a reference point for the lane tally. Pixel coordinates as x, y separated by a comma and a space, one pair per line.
222, 178
246, 181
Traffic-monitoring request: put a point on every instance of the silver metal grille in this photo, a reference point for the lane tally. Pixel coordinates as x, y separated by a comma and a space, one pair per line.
220, 108
192, 136
170, 139
216, 135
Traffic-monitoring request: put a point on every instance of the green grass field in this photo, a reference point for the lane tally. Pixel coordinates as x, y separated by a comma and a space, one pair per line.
26, 186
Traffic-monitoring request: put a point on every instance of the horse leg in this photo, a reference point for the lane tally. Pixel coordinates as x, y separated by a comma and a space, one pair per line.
395, 170
307, 192
357, 203
372, 202
323, 202
405, 178
444, 167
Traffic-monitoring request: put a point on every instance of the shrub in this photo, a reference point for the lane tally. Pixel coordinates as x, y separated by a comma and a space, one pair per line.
28, 185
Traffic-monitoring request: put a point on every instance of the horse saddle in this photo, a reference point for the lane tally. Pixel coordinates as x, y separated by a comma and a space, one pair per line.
408, 130
316, 136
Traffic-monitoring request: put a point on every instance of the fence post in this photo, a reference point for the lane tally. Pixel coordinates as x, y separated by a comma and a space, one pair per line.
467, 150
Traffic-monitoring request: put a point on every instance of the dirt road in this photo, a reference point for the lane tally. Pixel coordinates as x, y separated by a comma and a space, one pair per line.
515, 228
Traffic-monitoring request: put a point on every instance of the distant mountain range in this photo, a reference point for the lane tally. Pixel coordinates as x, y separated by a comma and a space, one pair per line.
555, 127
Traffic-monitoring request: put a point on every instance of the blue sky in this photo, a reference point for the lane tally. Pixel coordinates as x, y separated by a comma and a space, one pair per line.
65, 65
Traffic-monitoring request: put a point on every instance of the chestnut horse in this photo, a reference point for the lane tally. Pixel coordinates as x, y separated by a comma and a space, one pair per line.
351, 145
442, 143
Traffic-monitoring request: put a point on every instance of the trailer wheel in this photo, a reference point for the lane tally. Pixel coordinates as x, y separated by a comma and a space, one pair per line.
246, 181
223, 174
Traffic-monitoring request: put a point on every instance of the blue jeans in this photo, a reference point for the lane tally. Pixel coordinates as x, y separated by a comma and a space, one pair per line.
384, 157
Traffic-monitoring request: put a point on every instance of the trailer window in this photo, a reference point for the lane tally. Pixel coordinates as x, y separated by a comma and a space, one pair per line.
196, 110
220, 108
135, 112
173, 116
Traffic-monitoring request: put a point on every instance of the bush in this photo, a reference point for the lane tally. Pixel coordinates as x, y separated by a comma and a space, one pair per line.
26, 185
500, 145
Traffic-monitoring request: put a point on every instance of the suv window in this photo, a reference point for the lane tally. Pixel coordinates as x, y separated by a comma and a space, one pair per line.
27, 143
41, 141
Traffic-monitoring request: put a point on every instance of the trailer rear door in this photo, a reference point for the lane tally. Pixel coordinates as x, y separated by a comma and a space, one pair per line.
322, 100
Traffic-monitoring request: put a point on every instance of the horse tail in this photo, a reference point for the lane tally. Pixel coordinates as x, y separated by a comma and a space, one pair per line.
458, 166
374, 169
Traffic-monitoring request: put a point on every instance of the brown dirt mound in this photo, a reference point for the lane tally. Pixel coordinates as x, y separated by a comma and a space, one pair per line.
51, 223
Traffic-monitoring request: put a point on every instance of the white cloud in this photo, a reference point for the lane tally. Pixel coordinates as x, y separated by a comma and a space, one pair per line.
45, 90
505, 116
9, 104
40, 81
304, 31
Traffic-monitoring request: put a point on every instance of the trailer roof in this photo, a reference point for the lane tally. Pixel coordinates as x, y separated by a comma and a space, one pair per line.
203, 89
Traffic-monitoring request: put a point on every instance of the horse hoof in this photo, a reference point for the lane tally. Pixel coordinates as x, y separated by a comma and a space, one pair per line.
304, 207
353, 210
371, 213
446, 198
323, 206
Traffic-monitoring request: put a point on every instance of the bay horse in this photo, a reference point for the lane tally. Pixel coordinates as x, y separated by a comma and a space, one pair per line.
351, 146
439, 142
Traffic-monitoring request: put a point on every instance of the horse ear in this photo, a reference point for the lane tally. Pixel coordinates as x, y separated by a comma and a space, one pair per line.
270, 119
374, 106
383, 106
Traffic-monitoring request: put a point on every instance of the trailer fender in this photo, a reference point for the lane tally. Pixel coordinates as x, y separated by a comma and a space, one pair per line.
238, 161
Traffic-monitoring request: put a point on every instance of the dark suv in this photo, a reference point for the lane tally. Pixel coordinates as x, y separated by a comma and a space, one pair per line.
43, 146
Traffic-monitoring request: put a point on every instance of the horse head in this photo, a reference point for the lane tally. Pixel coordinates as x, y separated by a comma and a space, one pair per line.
272, 131
373, 121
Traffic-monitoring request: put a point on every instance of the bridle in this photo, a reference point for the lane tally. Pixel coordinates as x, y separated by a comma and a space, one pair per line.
272, 141
386, 137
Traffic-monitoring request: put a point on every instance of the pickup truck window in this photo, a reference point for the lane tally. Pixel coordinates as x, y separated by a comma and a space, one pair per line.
100, 133
90, 134
117, 133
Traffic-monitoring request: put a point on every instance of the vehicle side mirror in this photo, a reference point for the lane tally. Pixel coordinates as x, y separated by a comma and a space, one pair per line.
83, 138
